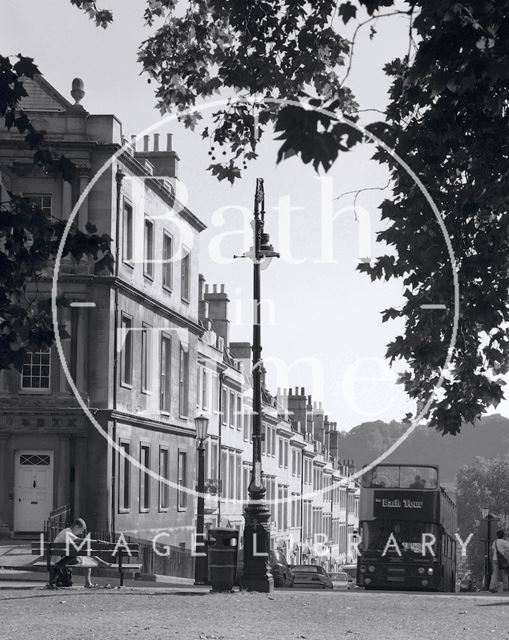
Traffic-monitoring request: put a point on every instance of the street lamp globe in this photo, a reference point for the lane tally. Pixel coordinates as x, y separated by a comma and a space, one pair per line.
202, 424
266, 249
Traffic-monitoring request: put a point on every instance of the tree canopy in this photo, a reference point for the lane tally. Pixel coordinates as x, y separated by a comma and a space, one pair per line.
446, 116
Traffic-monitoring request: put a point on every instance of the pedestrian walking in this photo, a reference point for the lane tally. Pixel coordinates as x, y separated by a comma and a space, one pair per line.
500, 563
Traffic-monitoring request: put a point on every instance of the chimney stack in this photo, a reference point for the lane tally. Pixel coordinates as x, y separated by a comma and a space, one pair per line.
241, 350
165, 162
218, 311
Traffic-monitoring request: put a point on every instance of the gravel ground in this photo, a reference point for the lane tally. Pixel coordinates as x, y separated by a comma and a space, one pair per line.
157, 614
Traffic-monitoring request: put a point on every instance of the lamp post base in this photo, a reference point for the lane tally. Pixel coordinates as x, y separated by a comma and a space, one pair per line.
257, 573
201, 570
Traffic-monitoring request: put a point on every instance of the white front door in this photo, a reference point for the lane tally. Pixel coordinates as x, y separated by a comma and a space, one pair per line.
33, 489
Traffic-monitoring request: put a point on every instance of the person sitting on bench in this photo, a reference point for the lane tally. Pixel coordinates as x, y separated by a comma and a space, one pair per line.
72, 536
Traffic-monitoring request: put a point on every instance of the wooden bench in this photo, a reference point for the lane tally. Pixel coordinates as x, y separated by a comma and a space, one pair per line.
95, 554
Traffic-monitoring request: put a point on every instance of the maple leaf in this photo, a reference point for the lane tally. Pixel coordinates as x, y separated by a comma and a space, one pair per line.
347, 11
25, 67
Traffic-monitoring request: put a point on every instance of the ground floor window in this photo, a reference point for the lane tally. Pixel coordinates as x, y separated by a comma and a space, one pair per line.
182, 480
124, 477
144, 477
164, 474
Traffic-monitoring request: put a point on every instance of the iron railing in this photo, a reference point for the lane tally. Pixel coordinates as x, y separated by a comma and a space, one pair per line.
155, 558
60, 517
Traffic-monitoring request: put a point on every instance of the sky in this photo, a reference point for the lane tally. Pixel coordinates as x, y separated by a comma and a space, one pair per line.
322, 328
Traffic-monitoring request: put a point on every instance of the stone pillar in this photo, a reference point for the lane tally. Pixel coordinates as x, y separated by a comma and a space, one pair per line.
98, 480
84, 173
81, 348
4, 382
80, 470
66, 200
62, 475
7, 484
65, 318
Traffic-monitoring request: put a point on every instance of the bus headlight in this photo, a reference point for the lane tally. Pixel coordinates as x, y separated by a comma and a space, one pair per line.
424, 583
367, 580
371, 568
363, 568
430, 571
420, 570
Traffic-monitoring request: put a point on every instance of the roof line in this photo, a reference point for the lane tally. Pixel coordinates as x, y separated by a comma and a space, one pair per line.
41, 80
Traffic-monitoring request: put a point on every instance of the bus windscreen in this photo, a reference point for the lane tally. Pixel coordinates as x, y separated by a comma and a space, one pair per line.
401, 477
405, 538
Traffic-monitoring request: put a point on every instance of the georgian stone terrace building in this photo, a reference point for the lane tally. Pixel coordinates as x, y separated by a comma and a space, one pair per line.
132, 345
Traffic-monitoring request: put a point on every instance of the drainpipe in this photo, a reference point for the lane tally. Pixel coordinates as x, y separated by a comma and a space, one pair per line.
219, 456
332, 518
119, 176
301, 503
346, 518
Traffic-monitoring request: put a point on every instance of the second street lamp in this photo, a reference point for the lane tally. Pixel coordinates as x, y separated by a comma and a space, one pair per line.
200, 567
487, 526
257, 573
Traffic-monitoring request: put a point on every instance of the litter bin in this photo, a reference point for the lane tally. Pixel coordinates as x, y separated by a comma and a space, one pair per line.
223, 545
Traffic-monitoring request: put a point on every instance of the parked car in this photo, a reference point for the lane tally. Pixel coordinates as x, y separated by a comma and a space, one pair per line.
341, 580
281, 571
351, 571
311, 575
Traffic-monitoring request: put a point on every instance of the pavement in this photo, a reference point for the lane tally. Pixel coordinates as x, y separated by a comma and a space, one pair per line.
144, 610
16, 567
141, 613
15, 554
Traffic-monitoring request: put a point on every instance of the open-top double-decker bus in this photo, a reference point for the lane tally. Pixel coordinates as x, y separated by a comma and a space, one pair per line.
407, 526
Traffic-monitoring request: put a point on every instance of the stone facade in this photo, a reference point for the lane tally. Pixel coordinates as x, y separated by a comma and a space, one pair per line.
116, 323
148, 349
313, 504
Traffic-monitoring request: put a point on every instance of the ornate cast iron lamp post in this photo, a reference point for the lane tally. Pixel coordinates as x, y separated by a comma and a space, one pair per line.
257, 573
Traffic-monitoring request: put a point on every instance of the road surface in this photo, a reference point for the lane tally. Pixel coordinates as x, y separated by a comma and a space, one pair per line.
187, 614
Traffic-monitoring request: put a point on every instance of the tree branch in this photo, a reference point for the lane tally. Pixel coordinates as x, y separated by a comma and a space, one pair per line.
411, 41
357, 29
102, 17
371, 109
357, 193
